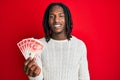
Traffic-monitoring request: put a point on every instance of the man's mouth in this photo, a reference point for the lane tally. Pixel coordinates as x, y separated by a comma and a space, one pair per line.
56, 25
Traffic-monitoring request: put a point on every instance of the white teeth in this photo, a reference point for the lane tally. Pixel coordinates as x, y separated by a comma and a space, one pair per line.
57, 25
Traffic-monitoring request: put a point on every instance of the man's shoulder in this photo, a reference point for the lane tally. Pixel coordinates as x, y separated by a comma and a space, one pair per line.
78, 40
42, 39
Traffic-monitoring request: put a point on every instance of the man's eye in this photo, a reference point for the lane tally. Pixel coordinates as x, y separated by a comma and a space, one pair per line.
61, 16
51, 16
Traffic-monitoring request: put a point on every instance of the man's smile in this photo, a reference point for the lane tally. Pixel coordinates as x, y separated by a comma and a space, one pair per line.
57, 25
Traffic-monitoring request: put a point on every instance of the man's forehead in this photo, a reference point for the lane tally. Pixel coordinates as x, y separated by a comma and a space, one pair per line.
56, 8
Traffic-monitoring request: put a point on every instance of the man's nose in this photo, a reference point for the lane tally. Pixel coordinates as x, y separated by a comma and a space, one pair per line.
56, 19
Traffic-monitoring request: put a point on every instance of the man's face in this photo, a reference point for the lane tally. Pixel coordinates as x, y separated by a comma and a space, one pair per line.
57, 19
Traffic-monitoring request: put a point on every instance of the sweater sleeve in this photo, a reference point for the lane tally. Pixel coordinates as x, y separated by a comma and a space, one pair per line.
83, 64
40, 76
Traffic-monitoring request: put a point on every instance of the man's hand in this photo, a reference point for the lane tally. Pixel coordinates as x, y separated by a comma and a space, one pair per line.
31, 68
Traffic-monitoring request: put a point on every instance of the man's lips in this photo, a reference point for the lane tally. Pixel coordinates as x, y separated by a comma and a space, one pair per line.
57, 25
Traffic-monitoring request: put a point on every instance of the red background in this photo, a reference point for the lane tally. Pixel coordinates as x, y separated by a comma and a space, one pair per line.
96, 22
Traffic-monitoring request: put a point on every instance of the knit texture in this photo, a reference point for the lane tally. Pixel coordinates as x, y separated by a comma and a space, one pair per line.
63, 60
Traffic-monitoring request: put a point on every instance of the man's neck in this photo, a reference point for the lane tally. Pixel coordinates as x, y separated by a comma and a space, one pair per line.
59, 36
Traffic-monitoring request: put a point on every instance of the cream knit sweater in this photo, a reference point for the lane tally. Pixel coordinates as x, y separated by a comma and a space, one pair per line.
63, 60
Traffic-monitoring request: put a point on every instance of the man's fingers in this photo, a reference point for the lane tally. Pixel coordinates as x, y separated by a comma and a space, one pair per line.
26, 63
31, 70
37, 71
29, 65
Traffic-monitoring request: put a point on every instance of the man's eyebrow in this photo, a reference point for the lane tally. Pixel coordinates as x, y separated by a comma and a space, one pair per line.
61, 13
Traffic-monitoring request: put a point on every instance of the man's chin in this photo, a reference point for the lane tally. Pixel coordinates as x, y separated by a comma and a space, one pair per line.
56, 33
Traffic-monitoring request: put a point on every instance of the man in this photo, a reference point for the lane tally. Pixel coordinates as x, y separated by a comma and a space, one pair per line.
64, 56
